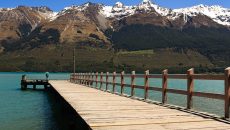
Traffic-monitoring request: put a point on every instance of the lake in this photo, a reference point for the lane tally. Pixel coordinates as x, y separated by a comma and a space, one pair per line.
28, 110
40, 110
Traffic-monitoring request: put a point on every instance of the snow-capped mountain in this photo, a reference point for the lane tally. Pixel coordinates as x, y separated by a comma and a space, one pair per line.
5, 9
119, 10
90, 21
73, 8
217, 13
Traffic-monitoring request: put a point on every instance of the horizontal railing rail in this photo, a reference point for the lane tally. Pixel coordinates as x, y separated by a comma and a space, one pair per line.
111, 79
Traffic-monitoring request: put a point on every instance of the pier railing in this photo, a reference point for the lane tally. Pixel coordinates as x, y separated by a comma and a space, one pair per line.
100, 79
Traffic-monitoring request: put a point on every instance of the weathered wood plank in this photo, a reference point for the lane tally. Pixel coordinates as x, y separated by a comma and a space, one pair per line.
106, 111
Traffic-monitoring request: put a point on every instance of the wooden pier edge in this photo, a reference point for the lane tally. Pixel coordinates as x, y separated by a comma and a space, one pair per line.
190, 76
113, 111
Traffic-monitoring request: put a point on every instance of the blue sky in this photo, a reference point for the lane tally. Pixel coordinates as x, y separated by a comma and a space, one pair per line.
58, 5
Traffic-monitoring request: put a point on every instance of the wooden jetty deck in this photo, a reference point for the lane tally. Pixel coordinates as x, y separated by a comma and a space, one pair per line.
26, 82
106, 111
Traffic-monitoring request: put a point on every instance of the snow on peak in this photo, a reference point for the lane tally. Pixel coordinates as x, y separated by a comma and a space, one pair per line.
74, 7
119, 5
119, 10
6, 9
147, 2
145, 5
217, 13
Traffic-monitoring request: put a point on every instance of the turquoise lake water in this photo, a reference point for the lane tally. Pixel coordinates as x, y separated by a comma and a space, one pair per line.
38, 110
27, 110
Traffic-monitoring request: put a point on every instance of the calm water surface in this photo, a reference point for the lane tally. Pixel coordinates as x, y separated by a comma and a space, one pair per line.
27, 110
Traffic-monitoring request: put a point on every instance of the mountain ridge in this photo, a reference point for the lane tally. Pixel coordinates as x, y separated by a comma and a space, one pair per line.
89, 23
145, 26
218, 13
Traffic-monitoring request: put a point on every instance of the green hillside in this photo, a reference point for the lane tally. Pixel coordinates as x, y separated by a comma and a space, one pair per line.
58, 58
213, 43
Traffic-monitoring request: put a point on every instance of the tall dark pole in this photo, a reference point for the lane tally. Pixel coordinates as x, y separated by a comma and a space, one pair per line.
74, 64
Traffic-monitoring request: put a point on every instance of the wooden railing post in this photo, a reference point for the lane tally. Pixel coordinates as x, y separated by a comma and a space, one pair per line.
71, 77
227, 93
89, 76
190, 87
122, 82
146, 84
107, 81
92, 79
77, 78
164, 85
88, 79
74, 78
96, 79
132, 83
114, 81
101, 80
80, 77
83, 78
23, 82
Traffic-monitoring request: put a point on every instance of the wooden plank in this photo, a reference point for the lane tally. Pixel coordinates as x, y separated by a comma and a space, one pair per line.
155, 89
209, 95
164, 85
227, 92
183, 92
122, 82
132, 83
96, 79
101, 80
107, 111
132, 127
114, 81
107, 81
190, 88
139, 86
146, 84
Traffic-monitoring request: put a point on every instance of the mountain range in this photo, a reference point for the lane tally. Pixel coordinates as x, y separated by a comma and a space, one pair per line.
201, 28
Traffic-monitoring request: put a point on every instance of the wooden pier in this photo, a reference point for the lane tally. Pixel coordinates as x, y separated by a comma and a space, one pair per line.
28, 82
95, 97
107, 111
103, 79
